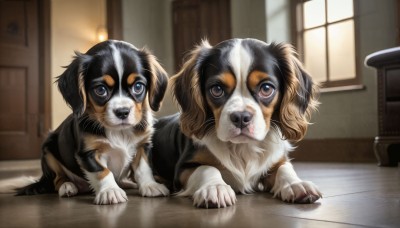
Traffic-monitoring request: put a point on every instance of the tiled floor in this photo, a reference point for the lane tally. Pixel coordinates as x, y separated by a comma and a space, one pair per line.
355, 195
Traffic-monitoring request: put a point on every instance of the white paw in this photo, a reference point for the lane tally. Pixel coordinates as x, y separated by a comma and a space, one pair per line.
214, 196
152, 189
111, 196
300, 192
67, 189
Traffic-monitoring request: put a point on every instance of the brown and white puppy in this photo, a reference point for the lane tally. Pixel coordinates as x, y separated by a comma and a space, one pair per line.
112, 90
241, 103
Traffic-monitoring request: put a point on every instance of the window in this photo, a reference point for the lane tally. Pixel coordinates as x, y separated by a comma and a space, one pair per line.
326, 38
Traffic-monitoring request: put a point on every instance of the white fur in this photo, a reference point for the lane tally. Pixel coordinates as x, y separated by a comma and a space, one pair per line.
240, 60
207, 186
147, 185
246, 154
241, 100
289, 187
67, 189
122, 145
118, 63
118, 102
247, 162
107, 190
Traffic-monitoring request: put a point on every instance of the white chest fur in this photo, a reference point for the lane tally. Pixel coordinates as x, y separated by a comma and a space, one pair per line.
246, 162
122, 148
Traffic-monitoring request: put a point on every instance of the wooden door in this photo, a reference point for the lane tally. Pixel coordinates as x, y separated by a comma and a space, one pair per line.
20, 84
194, 20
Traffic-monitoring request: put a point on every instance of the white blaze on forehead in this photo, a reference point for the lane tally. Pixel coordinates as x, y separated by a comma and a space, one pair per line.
119, 64
240, 61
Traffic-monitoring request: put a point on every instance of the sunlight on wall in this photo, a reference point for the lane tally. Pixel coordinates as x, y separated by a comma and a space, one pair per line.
73, 28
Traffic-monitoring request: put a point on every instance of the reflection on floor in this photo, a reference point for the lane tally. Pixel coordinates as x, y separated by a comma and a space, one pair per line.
354, 195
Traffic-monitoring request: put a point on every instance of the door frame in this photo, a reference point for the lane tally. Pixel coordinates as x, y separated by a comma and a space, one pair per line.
44, 20
114, 19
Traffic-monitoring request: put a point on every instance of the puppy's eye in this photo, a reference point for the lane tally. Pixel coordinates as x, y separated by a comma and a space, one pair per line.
266, 90
138, 88
217, 91
101, 91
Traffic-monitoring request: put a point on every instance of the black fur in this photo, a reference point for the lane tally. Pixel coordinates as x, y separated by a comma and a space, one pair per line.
66, 144
170, 151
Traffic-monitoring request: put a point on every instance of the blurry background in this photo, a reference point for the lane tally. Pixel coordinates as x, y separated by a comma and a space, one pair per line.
333, 37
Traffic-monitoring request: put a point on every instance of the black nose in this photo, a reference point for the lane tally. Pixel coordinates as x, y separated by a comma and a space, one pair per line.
241, 119
122, 113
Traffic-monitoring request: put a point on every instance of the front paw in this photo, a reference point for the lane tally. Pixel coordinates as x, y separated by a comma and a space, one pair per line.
300, 192
214, 196
111, 196
153, 189
67, 189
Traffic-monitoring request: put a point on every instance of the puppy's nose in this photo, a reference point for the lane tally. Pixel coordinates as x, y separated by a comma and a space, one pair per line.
241, 119
122, 113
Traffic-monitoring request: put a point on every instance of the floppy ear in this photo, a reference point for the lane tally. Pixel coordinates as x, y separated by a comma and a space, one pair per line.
187, 91
158, 80
72, 85
299, 93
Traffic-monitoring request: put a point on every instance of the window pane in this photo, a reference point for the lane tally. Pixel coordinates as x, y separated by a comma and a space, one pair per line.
315, 53
314, 13
339, 9
341, 51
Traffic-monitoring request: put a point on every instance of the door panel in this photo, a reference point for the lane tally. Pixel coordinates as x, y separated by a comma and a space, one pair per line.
13, 80
19, 80
194, 20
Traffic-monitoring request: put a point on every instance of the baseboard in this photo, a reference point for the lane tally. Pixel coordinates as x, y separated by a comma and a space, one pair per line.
335, 150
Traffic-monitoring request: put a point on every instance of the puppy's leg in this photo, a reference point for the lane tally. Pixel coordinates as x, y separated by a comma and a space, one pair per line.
144, 176
127, 181
206, 186
101, 179
290, 188
62, 184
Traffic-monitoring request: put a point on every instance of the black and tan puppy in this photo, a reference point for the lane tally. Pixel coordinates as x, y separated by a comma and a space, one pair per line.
241, 102
112, 90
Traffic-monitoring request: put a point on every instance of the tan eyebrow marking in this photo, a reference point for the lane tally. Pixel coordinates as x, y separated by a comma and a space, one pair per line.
131, 78
229, 81
109, 80
255, 77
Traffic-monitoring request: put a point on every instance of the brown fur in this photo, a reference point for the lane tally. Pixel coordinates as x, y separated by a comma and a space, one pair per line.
294, 121
158, 83
109, 80
186, 87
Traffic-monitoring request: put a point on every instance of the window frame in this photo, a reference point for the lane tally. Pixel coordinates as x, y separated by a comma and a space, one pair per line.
298, 37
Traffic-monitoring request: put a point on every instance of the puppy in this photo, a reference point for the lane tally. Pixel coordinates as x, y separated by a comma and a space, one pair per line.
242, 102
111, 89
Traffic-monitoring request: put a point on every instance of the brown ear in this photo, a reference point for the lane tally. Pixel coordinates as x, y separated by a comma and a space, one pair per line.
158, 80
299, 93
187, 91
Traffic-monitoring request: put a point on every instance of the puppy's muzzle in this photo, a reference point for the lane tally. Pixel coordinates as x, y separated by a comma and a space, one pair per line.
122, 113
241, 119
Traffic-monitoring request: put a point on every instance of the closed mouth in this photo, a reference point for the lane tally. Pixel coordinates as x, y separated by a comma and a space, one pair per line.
242, 135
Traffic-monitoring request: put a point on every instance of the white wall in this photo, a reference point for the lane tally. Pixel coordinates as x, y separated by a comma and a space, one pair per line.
248, 19
73, 27
278, 20
147, 23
